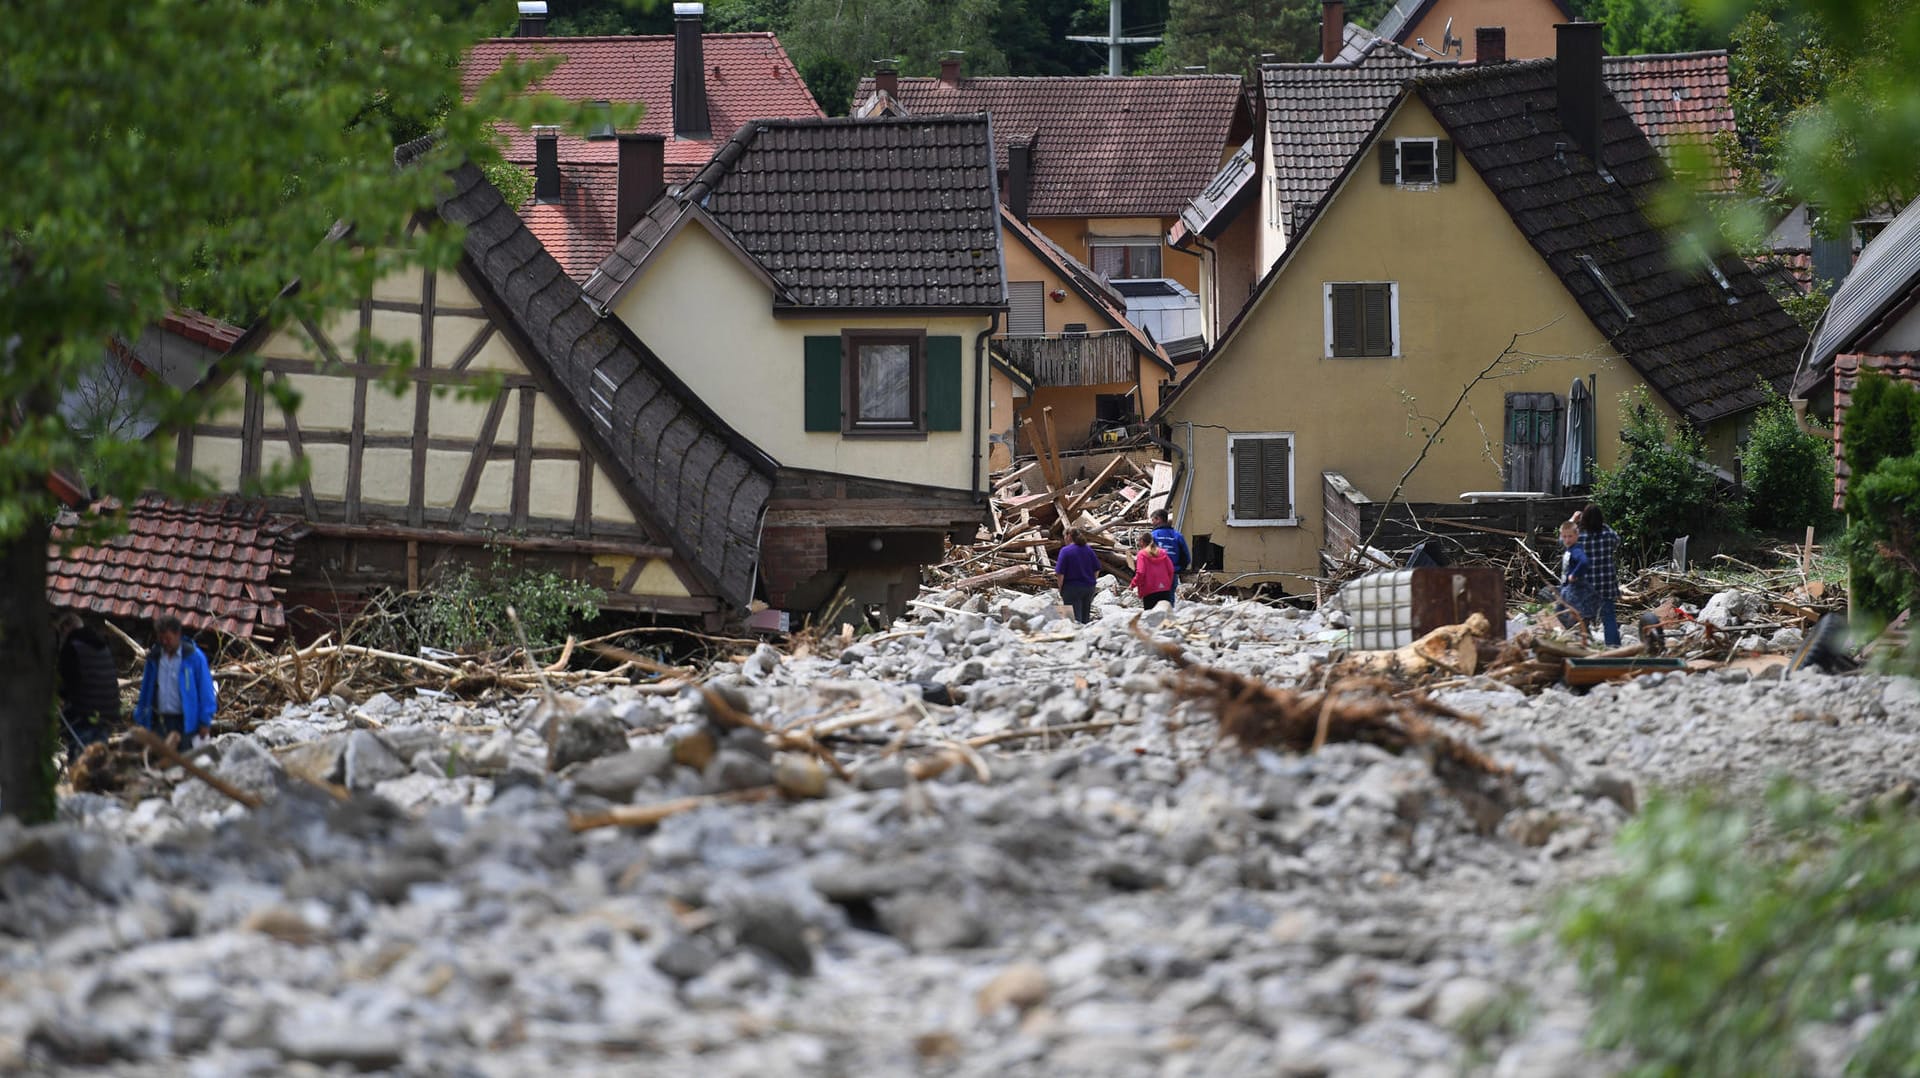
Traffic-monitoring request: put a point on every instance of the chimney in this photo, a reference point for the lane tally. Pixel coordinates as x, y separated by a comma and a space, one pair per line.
533, 19
546, 164
642, 179
1489, 44
1577, 83
1333, 29
1019, 176
886, 79
689, 73
950, 70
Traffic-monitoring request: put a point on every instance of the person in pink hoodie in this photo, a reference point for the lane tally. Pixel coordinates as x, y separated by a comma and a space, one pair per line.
1152, 573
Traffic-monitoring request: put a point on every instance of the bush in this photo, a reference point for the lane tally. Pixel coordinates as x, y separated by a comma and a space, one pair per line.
1663, 488
465, 611
1883, 494
1788, 472
1730, 932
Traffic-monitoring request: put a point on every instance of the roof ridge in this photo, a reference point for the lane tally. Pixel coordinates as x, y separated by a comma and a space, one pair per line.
1697, 54
1475, 72
1114, 79
618, 37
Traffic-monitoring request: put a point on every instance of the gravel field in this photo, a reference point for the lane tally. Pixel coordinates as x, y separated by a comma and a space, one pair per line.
1127, 899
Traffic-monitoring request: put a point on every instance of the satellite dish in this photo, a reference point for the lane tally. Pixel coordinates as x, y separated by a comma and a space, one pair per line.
1449, 43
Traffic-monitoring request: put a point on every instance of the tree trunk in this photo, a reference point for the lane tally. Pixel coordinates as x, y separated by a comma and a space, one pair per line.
27, 666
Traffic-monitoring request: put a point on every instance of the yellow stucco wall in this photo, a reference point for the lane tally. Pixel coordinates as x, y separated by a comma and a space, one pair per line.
1024, 265
711, 319
1003, 397
1073, 234
1529, 25
1468, 280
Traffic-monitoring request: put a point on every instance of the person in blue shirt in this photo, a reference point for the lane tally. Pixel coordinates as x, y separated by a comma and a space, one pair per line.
176, 688
1170, 540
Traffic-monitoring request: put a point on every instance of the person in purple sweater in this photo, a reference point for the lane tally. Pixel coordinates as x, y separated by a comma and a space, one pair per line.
1078, 567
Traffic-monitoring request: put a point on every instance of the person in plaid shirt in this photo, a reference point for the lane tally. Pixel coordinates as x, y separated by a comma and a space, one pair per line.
1602, 547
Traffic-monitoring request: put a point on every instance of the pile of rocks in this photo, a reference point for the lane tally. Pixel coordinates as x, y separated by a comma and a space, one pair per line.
1131, 898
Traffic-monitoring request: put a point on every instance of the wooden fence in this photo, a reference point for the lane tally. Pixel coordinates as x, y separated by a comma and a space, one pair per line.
1090, 360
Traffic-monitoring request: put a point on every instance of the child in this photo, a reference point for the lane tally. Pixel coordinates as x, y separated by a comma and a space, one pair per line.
1152, 573
1576, 577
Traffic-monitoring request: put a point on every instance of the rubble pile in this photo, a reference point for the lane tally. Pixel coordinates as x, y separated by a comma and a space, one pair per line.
984, 841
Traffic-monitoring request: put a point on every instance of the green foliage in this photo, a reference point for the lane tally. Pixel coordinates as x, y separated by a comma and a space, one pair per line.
1778, 66
1229, 38
1662, 489
1788, 472
515, 183
1805, 307
1649, 26
1882, 543
833, 40
1882, 422
466, 610
1730, 931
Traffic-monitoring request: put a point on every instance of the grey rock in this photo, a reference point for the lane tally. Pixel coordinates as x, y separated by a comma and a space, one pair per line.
1901, 698
886, 774
331, 1042
369, 761
931, 921
616, 777
734, 769
588, 735
685, 958
1614, 787
1462, 999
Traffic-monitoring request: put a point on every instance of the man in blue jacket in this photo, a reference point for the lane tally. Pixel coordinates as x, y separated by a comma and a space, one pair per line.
176, 689
1169, 539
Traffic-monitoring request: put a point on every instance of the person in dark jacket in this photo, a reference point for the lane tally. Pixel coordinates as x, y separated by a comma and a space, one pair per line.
1602, 547
176, 689
1079, 568
89, 684
1170, 540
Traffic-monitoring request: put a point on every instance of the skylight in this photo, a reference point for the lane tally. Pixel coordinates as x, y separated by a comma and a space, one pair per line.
1606, 286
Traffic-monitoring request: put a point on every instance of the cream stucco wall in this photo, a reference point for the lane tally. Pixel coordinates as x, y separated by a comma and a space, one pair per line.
1468, 281
1272, 237
1529, 25
711, 319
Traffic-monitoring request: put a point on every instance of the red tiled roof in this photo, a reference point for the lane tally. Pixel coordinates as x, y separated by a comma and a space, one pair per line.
211, 564
1675, 97
202, 329
749, 77
1904, 366
1104, 147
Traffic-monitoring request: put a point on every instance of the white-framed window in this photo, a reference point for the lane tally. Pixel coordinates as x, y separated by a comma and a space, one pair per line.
1116, 258
1260, 488
1419, 163
1362, 319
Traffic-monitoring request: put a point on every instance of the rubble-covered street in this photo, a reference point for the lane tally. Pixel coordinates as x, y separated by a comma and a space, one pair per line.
1033, 855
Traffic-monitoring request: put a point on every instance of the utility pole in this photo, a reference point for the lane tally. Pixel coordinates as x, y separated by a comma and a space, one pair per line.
1116, 63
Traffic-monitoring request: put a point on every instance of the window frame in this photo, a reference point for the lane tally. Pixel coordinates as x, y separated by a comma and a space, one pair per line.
1394, 350
1400, 162
1012, 306
1293, 471
850, 342
1127, 243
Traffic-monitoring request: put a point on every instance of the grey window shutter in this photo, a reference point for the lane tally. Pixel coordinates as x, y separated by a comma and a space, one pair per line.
944, 379
1377, 316
1443, 161
1276, 493
1246, 479
1346, 320
1027, 308
1389, 161
823, 395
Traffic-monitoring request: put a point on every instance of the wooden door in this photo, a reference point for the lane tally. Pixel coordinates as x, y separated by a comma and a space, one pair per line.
1533, 438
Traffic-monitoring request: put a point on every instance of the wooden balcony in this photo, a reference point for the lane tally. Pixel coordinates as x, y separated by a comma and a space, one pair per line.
1089, 359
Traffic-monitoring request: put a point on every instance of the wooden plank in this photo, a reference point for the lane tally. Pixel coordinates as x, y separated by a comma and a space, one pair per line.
583, 500
477, 461
473, 348
632, 576
531, 543
299, 456
440, 376
183, 460
1099, 480
523, 460
422, 406
250, 417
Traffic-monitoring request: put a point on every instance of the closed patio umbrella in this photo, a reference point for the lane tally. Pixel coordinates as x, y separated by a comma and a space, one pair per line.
1573, 462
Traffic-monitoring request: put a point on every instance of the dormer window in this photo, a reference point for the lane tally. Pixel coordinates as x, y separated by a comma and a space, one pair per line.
1416, 162
602, 120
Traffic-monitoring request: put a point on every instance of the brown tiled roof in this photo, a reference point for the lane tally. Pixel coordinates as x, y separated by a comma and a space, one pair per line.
201, 329
1676, 98
212, 564
695, 477
898, 213
1318, 116
1104, 147
1401, 19
1705, 346
1904, 366
749, 77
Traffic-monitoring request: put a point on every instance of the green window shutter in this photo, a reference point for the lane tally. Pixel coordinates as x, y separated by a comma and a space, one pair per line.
1246, 479
1443, 161
1346, 319
1377, 319
825, 393
1276, 494
943, 383
1389, 161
